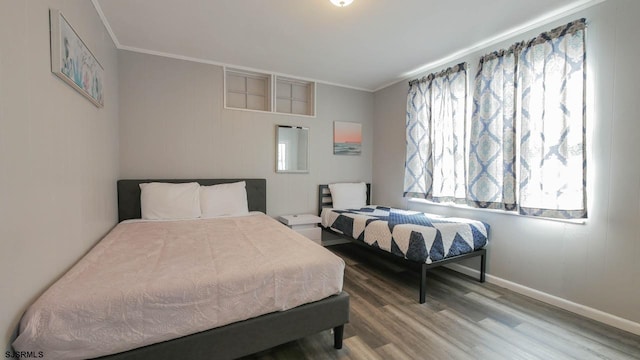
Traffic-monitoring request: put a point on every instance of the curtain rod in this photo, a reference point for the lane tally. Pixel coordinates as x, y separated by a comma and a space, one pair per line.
454, 69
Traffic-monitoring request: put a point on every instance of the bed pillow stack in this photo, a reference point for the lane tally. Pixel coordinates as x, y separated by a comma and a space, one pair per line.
224, 200
161, 201
348, 195
177, 201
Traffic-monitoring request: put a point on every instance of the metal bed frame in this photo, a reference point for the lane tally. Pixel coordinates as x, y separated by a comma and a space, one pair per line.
325, 201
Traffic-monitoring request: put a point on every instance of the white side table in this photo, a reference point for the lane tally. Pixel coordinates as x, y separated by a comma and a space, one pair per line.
305, 224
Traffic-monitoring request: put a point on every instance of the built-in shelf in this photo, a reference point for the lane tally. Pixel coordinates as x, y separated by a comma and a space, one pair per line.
295, 96
250, 90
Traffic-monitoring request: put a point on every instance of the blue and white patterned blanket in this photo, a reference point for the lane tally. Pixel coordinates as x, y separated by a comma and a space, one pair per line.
409, 234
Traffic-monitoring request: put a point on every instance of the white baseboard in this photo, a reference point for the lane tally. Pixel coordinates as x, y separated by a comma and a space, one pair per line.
588, 312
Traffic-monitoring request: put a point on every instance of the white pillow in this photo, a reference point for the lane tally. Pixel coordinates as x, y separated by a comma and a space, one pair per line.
166, 201
224, 200
348, 195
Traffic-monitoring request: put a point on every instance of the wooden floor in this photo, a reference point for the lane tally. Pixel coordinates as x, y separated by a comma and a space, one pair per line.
462, 319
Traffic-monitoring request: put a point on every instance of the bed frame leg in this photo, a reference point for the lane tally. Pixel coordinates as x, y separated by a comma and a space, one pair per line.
483, 266
338, 332
423, 284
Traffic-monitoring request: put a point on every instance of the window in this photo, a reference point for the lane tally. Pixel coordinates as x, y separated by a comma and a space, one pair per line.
527, 148
435, 129
527, 131
282, 156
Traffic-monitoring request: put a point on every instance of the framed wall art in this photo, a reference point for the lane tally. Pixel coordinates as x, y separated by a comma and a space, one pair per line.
347, 138
73, 62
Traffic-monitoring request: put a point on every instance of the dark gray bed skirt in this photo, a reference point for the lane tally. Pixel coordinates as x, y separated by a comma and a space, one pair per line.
252, 335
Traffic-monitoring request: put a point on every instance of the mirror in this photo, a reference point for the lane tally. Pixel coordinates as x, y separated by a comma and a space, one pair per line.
292, 149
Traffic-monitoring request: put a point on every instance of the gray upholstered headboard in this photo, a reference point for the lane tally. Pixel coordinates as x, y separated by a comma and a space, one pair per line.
129, 194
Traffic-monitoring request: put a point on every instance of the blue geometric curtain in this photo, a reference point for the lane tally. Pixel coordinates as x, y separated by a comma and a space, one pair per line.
492, 154
551, 73
527, 141
435, 133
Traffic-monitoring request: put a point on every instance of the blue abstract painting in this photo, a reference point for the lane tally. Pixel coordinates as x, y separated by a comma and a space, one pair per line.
73, 62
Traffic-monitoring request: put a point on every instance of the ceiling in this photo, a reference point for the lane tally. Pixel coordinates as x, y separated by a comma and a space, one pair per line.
367, 45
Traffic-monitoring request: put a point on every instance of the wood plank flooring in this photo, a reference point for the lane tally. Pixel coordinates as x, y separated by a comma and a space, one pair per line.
462, 319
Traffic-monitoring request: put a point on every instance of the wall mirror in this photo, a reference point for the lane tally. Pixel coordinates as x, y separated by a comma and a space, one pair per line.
292, 149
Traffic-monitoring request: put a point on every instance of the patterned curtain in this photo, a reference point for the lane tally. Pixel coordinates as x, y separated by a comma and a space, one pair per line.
436, 112
530, 101
552, 140
492, 154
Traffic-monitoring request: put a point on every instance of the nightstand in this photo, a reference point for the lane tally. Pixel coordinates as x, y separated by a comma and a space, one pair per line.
305, 224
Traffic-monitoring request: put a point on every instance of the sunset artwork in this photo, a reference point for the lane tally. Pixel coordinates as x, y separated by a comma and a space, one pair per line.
347, 138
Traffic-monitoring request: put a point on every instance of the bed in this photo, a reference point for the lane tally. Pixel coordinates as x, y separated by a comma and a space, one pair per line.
415, 239
199, 289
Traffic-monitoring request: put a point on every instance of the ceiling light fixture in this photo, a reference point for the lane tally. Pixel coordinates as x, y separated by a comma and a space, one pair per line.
341, 3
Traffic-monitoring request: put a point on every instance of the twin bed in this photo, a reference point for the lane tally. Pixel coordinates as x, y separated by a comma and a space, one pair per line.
413, 238
214, 288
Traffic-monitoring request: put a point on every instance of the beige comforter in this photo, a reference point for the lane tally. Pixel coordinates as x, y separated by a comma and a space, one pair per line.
147, 282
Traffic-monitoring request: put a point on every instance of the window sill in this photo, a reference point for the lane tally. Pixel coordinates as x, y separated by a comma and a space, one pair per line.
495, 211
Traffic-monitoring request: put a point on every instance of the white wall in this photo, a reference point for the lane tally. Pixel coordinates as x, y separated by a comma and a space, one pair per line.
173, 124
594, 264
58, 154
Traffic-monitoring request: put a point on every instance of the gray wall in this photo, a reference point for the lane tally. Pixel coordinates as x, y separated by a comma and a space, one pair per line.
58, 154
594, 264
60, 157
173, 124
